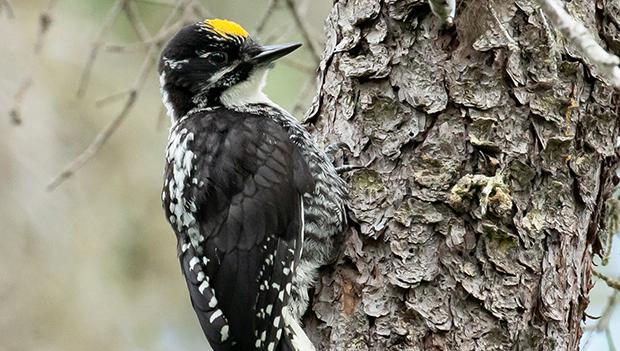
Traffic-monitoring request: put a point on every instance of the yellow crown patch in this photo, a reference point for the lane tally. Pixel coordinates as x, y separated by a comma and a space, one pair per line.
226, 28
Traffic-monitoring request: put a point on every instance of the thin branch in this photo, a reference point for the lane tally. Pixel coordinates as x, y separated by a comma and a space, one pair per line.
157, 2
271, 6
45, 22
124, 48
279, 35
6, 4
606, 63
112, 98
603, 320
299, 66
15, 112
200, 10
94, 51
131, 10
157, 39
148, 63
610, 339
105, 134
316, 56
611, 282
92, 149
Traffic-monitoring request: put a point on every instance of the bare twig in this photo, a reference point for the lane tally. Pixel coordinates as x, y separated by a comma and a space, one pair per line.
105, 134
299, 66
157, 2
45, 21
157, 39
138, 25
131, 10
148, 63
316, 56
112, 98
611, 282
271, 6
124, 48
603, 320
6, 4
94, 51
576, 32
200, 10
92, 149
15, 112
279, 35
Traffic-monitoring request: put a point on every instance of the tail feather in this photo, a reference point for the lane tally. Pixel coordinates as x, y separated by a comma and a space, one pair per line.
294, 338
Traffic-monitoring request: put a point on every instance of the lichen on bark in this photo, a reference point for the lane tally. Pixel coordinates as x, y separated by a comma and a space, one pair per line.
474, 226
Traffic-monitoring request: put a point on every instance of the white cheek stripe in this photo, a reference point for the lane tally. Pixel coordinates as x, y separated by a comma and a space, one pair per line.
221, 73
165, 97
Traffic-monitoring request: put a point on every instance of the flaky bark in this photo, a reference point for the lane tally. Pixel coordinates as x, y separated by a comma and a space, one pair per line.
493, 146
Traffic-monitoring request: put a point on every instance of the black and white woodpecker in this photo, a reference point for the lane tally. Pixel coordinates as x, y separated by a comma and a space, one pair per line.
256, 205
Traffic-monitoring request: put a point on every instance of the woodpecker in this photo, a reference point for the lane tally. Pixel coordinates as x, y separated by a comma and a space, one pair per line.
257, 207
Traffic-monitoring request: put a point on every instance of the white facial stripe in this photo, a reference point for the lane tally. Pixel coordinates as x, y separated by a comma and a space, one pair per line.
175, 64
221, 73
165, 97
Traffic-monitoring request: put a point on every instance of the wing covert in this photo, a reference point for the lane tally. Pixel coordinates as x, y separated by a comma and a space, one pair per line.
244, 189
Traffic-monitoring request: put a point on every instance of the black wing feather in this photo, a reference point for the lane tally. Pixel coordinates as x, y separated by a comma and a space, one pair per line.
249, 212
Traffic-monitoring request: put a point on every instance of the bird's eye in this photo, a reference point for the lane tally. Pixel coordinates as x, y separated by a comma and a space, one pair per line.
217, 57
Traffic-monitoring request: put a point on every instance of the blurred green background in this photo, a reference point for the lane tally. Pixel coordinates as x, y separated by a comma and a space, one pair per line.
92, 265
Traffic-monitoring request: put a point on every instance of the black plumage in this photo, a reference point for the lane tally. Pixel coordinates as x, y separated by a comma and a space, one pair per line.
256, 205
247, 206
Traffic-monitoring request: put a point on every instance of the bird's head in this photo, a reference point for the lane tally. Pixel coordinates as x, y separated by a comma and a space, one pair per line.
214, 63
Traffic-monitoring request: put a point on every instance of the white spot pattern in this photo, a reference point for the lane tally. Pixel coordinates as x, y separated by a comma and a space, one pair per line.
276, 321
213, 301
181, 160
224, 332
203, 286
165, 98
214, 316
193, 262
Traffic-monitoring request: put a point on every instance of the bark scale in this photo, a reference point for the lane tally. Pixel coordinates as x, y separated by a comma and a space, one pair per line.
475, 225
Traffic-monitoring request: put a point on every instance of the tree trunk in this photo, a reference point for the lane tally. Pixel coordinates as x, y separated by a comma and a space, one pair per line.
492, 149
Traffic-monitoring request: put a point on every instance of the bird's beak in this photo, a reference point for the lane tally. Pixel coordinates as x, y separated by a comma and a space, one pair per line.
270, 53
